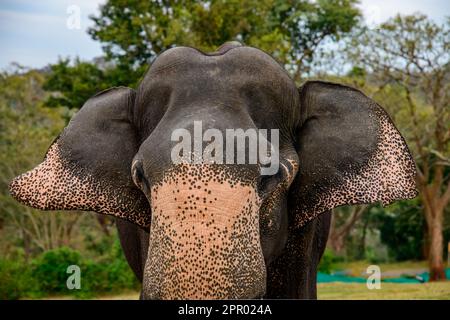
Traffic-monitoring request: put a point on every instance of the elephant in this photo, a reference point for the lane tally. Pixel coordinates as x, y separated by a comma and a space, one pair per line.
215, 229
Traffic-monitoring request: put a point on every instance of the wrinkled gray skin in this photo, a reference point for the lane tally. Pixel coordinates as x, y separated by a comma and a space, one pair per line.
212, 230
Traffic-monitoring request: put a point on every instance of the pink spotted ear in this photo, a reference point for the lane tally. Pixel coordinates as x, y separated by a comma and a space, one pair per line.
88, 165
349, 151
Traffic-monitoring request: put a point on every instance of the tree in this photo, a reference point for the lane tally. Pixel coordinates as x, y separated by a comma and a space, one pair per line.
134, 32
402, 227
71, 83
410, 55
342, 223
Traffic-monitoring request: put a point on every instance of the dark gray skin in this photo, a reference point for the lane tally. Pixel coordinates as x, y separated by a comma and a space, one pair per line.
222, 231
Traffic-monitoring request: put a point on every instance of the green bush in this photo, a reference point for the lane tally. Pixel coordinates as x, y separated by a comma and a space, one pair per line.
47, 274
16, 279
371, 256
94, 279
328, 262
50, 269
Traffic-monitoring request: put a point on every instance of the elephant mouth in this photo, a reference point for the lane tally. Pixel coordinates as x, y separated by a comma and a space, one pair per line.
204, 239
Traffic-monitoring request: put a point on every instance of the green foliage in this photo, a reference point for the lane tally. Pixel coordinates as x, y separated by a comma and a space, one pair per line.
328, 262
110, 273
16, 279
133, 32
73, 83
119, 275
49, 270
47, 274
98, 247
34, 260
402, 228
26, 130
370, 255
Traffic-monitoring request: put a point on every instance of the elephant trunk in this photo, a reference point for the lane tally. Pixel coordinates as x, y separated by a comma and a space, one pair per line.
204, 238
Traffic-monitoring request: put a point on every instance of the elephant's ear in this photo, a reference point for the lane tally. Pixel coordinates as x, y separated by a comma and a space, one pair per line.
349, 152
88, 167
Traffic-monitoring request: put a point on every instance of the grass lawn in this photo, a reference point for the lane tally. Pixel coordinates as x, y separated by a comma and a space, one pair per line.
359, 291
358, 268
126, 295
346, 291
355, 291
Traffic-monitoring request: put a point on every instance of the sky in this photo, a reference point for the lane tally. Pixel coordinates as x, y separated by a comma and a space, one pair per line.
36, 33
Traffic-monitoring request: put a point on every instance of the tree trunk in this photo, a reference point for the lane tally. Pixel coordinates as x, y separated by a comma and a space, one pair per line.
426, 243
434, 214
363, 237
337, 244
337, 237
436, 261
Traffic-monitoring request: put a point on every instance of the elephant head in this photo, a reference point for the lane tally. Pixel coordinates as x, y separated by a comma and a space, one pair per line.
216, 225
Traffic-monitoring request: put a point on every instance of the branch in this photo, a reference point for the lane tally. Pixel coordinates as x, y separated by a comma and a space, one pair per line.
356, 213
445, 197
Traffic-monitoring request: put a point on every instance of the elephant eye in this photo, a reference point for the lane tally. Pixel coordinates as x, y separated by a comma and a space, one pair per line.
139, 179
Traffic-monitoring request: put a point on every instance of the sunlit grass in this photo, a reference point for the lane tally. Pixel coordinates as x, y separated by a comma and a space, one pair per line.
388, 291
358, 268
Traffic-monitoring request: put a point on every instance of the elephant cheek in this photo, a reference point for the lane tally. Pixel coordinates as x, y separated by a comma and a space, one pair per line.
204, 239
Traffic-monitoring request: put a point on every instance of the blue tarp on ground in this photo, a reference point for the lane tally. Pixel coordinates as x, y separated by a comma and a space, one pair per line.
422, 277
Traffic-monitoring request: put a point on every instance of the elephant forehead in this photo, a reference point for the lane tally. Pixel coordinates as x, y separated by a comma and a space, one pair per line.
245, 80
235, 64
